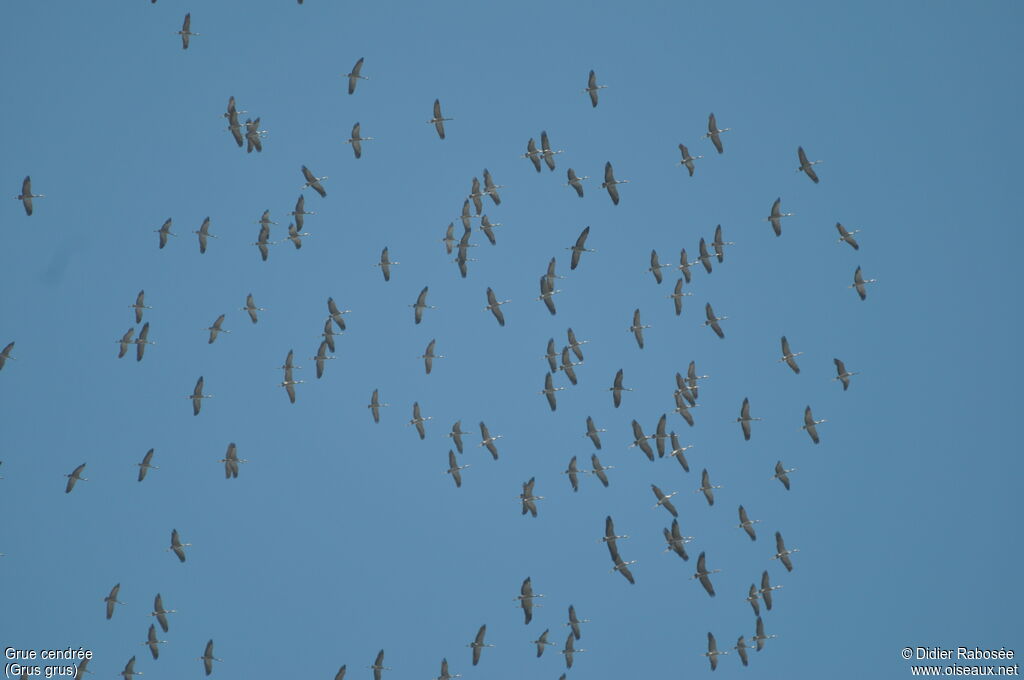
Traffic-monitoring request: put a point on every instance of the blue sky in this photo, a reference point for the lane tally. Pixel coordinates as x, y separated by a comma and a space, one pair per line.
341, 537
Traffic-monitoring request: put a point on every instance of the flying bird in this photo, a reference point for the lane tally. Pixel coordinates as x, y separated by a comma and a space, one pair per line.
112, 600
177, 547
142, 341
186, 33
611, 184
375, 405
438, 120
776, 217
569, 650
533, 154
546, 293
487, 440
847, 236
860, 283
575, 181
160, 613
263, 240
494, 305
788, 356
26, 195
574, 474
687, 158
622, 567
491, 189
685, 264
676, 541
385, 264
204, 234
165, 231
713, 320
752, 598
656, 266
356, 140
140, 305
741, 649
610, 538
146, 465
197, 396
314, 182
528, 498
549, 391
354, 76
231, 461
421, 304
747, 524
418, 420
449, 238
598, 469
714, 132
567, 365
781, 553
579, 247
640, 440
251, 308
593, 433
456, 435
707, 488
254, 136
208, 658
660, 435
806, 165
683, 409
526, 597
575, 344
378, 664
744, 420
679, 451
487, 227
766, 589
842, 374
663, 500
574, 622
782, 474
445, 675
129, 670
335, 314
719, 245
713, 652
810, 424
75, 475
759, 637
617, 389
542, 642
703, 575
300, 211
478, 644
152, 642
454, 469
295, 236
638, 328
677, 297
705, 256
592, 88
549, 155
428, 357
215, 329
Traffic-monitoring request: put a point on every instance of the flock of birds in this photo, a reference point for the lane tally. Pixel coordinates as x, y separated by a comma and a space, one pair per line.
564, 361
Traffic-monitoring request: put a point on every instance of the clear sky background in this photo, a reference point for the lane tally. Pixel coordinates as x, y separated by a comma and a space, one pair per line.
340, 536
